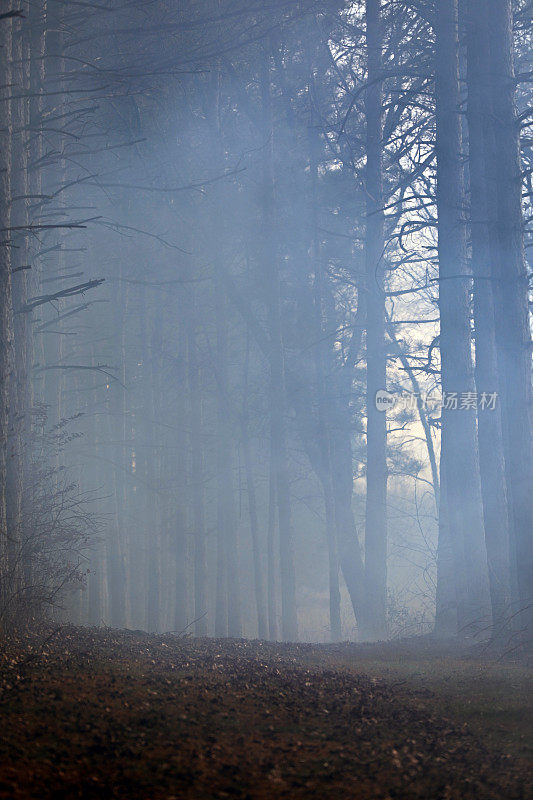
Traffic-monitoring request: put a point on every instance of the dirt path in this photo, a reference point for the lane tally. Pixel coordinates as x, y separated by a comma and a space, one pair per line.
106, 714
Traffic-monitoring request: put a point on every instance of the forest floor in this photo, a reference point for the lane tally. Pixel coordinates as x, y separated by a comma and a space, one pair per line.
99, 713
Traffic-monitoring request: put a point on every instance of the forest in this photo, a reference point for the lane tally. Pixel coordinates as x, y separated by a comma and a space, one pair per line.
266, 407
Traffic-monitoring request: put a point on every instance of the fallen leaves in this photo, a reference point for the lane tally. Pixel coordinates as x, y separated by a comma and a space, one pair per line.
113, 714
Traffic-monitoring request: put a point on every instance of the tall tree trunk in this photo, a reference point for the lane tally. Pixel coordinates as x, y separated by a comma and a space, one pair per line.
513, 339
197, 479
490, 434
376, 435
324, 423
6, 330
136, 542
153, 463
180, 520
19, 394
116, 575
223, 465
259, 593
260, 604
95, 583
228, 611
277, 376
143, 435
460, 464
233, 567
271, 551
114, 420
38, 26
341, 433
350, 558
445, 593
56, 178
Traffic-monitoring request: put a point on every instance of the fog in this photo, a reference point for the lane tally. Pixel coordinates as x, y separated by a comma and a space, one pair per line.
266, 410
237, 218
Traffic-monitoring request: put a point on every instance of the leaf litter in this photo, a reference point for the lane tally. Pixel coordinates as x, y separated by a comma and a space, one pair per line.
100, 713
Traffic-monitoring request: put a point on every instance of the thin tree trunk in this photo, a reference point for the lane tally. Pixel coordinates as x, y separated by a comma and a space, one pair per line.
228, 612
223, 446
445, 594
233, 567
55, 177
6, 330
348, 543
341, 431
445, 599
38, 26
95, 587
116, 576
324, 423
260, 605
271, 552
197, 480
179, 523
422, 413
112, 419
143, 435
376, 435
277, 379
19, 393
153, 464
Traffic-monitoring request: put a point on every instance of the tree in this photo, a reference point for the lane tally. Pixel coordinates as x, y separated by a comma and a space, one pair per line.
376, 365
6, 330
460, 462
270, 268
509, 277
490, 434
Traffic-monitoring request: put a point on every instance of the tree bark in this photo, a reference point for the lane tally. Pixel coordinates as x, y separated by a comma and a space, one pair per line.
271, 552
20, 391
376, 435
197, 479
223, 463
490, 433
445, 593
153, 463
513, 339
259, 591
320, 338
178, 523
460, 463
6, 330
277, 377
